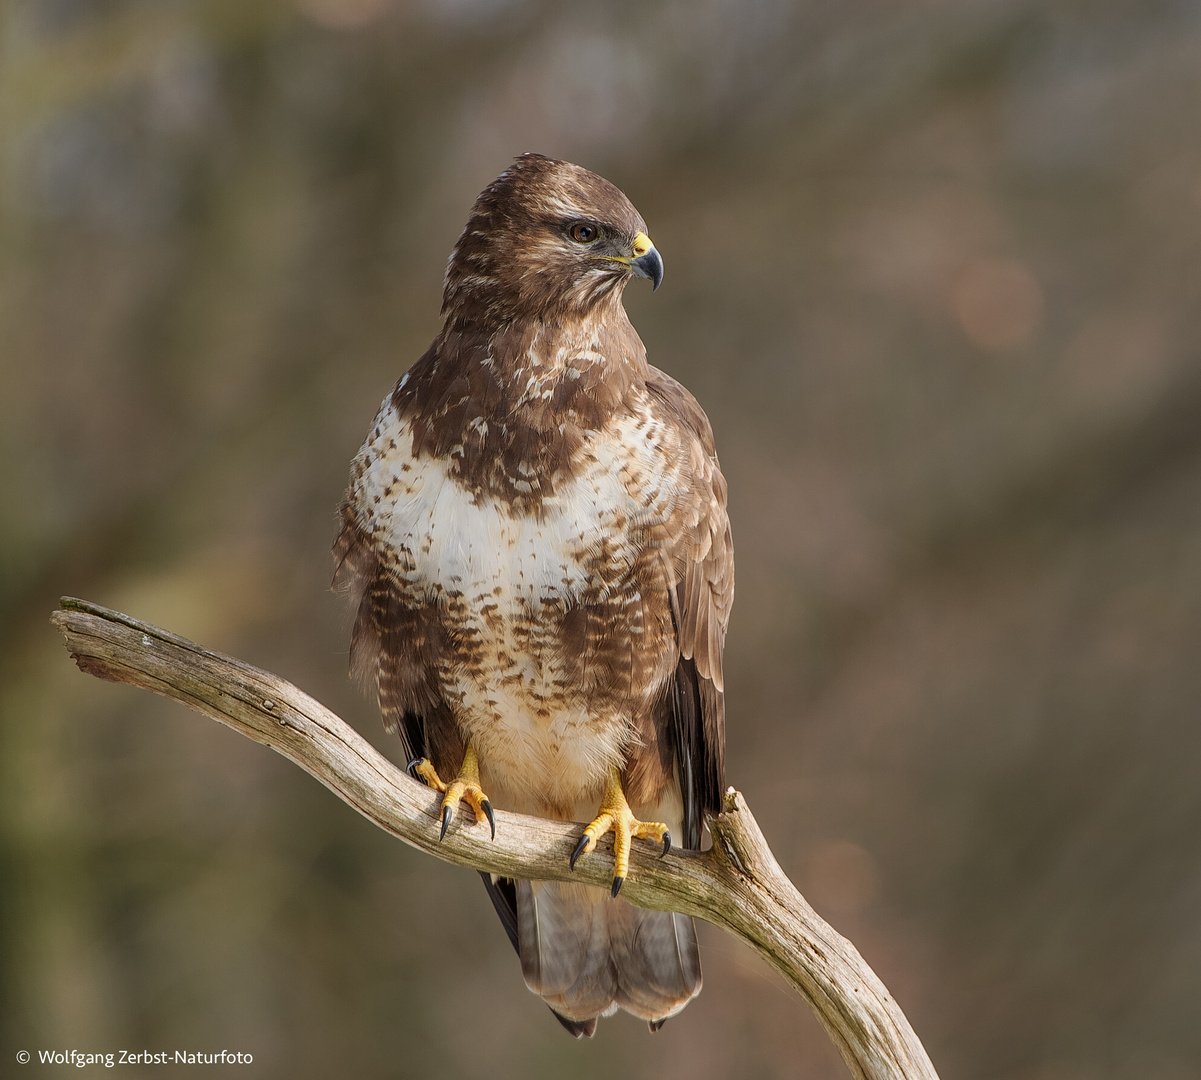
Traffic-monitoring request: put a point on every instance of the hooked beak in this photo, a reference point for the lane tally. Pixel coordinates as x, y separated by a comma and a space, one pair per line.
647, 262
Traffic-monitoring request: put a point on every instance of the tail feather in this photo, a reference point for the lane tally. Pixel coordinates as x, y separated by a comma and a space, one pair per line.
577, 1028
587, 955
657, 959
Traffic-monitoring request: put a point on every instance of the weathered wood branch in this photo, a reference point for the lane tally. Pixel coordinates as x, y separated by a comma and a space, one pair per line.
736, 885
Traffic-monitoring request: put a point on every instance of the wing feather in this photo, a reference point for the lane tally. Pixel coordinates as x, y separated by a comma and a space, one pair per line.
393, 649
699, 557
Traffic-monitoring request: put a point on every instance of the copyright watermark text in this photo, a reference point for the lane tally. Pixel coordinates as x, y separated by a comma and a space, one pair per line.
81, 1059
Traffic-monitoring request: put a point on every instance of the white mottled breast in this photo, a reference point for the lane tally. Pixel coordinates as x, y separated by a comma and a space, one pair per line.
493, 570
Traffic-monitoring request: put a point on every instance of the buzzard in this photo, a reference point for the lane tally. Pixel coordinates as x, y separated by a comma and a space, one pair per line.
535, 536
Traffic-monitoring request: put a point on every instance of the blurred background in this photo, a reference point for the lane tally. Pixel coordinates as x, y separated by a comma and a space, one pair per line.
934, 271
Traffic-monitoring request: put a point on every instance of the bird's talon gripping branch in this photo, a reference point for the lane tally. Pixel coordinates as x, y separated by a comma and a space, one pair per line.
412, 769
465, 787
615, 816
579, 850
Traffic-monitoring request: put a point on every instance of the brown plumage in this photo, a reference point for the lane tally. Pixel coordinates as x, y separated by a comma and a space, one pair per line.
536, 539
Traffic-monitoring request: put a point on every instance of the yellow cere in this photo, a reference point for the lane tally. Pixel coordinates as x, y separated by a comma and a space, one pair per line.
642, 244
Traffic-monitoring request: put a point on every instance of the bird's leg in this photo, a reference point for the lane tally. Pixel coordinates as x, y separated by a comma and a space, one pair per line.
616, 817
465, 786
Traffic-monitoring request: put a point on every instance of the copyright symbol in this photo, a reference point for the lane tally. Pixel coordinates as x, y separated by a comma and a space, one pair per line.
23, 1057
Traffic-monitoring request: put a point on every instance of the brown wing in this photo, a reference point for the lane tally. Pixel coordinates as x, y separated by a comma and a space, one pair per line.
394, 649
701, 568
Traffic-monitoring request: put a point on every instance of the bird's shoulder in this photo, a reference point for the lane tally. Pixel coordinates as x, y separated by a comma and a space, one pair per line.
676, 404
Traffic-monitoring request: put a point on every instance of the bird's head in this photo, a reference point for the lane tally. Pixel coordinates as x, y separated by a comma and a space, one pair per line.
545, 239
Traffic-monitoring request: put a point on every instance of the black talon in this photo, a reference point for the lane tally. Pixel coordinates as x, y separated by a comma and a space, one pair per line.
666, 844
487, 807
412, 765
617, 884
579, 850
445, 822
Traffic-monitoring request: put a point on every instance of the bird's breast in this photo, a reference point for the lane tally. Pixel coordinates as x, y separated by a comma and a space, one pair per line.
447, 539
551, 640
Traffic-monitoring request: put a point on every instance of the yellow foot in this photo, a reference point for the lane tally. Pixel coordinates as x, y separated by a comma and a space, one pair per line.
616, 817
465, 786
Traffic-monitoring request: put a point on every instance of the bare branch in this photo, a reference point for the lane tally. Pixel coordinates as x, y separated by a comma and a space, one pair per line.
736, 885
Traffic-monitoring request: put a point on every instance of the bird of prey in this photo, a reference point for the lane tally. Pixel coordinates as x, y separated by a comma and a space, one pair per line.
536, 539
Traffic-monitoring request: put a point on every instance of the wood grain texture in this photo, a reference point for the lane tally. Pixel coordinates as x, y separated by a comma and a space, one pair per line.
737, 884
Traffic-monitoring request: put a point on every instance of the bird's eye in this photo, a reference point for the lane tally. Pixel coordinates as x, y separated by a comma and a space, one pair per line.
583, 233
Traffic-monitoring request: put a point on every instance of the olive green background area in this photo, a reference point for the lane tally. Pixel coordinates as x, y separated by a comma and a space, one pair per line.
934, 271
